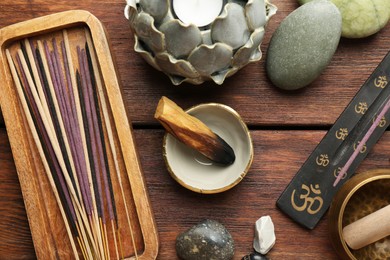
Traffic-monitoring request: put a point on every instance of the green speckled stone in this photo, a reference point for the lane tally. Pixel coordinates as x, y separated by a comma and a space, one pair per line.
303, 44
362, 18
205, 241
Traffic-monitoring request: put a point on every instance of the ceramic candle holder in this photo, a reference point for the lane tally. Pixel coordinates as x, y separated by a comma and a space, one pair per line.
190, 53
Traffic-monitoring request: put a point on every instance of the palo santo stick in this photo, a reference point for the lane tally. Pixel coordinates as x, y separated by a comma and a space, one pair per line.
369, 229
193, 132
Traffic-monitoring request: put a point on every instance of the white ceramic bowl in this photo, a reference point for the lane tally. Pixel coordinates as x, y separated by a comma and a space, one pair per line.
197, 173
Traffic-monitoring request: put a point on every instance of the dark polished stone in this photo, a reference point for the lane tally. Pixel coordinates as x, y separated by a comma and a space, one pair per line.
255, 256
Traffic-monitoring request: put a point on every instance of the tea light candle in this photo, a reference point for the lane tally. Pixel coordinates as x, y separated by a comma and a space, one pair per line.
198, 12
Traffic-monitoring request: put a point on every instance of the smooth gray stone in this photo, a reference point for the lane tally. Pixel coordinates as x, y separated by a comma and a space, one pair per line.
205, 241
303, 44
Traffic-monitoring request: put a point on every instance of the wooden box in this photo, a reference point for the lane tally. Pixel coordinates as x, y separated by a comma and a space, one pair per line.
136, 234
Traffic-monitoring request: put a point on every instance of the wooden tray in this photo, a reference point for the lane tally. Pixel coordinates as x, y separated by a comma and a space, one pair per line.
47, 226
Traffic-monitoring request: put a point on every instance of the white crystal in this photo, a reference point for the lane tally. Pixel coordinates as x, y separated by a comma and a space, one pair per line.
264, 235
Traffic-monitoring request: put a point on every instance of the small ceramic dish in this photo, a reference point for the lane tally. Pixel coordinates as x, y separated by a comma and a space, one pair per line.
197, 173
362, 195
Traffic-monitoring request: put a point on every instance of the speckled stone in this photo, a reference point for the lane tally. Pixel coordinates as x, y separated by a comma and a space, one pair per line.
362, 18
303, 44
208, 240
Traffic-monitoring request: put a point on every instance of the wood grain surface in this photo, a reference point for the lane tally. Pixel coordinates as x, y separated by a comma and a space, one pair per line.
176, 208
285, 127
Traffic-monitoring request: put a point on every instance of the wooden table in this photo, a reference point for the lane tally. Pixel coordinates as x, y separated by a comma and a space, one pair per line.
285, 127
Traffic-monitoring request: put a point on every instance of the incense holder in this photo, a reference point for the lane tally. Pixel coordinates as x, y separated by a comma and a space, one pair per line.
362, 195
191, 53
197, 173
51, 220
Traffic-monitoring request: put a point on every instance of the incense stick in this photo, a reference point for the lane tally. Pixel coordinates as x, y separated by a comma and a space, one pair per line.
48, 149
43, 74
362, 142
38, 144
56, 171
91, 140
86, 173
58, 150
36, 75
102, 151
65, 107
53, 85
99, 232
110, 134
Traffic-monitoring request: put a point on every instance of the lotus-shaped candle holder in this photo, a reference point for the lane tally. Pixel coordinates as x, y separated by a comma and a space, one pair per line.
193, 51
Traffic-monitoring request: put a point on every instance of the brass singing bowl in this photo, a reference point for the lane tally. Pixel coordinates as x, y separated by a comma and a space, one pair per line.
362, 195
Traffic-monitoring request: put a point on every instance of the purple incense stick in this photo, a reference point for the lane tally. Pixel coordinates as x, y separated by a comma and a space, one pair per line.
49, 151
70, 124
91, 143
78, 146
106, 173
97, 134
362, 142
55, 81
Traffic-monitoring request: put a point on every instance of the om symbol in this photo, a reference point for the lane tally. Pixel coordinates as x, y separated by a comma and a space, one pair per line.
382, 123
322, 160
380, 82
342, 133
312, 204
336, 172
364, 147
361, 108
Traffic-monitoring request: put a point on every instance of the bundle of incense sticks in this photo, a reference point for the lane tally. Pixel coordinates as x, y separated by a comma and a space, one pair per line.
65, 107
